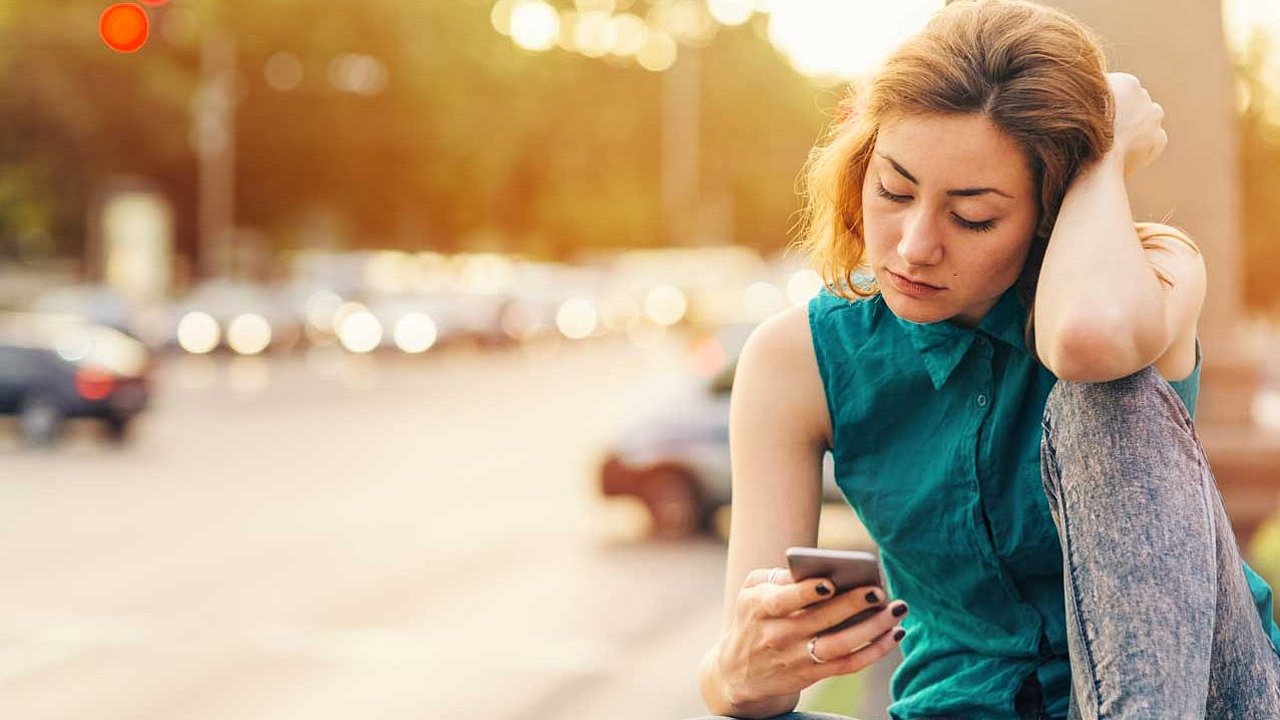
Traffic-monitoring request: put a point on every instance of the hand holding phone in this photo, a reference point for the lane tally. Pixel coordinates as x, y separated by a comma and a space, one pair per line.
847, 569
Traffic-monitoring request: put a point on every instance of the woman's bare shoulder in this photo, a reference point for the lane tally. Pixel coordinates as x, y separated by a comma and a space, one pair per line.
779, 356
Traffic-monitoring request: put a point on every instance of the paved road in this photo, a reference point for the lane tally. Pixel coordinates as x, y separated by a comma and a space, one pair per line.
337, 537
326, 538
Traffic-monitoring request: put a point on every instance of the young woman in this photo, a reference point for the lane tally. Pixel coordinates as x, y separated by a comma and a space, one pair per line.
1008, 395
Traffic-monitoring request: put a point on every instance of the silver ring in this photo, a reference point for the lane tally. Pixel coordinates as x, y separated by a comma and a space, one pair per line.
773, 574
813, 641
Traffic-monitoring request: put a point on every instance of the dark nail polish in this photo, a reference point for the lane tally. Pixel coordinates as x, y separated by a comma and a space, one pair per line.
899, 610
872, 597
897, 634
823, 589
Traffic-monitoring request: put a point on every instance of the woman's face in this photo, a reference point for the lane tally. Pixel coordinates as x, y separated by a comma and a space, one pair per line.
961, 215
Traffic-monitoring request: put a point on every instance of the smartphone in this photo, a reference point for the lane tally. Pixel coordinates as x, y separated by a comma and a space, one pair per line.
848, 569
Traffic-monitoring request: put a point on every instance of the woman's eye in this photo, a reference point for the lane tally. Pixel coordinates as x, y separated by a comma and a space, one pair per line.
890, 196
982, 226
978, 226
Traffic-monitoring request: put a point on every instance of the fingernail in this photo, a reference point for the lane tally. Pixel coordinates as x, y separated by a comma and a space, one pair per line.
898, 634
873, 597
900, 610
823, 589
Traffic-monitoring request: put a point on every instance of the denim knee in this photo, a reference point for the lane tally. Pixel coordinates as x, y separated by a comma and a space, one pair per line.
1142, 388
1143, 395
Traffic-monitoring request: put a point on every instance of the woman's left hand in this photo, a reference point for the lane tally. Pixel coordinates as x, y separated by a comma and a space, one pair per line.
1139, 137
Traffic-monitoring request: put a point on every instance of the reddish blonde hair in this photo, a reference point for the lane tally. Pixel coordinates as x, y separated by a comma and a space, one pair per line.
1035, 72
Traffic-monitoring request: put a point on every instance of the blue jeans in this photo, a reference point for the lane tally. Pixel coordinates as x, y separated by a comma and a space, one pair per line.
1160, 620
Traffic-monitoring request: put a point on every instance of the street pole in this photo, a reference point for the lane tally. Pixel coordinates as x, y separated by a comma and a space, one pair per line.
680, 183
214, 136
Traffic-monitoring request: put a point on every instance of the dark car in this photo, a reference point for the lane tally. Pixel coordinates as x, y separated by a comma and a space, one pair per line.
675, 458
53, 368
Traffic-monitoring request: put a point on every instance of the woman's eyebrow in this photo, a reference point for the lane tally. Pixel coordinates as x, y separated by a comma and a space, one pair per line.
963, 192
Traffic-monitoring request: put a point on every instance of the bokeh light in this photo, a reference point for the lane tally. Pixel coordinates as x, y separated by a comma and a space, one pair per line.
631, 33
321, 307
535, 25
73, 345
665, 305
358, 74
500, 16
762, 299
123, 27
602, 6
577, 318
658, 53
731, 12
249, 334
359, 331
803, 285
283, 71
595, 34
198, 332
686, 20
415, 332
707, 357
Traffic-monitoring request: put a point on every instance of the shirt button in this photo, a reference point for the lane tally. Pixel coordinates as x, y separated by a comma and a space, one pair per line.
982, 400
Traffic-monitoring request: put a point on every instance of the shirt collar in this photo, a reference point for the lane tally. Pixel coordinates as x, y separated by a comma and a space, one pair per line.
943, 344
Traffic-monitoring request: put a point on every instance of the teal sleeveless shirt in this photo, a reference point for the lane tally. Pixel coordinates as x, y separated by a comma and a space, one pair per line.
936, 441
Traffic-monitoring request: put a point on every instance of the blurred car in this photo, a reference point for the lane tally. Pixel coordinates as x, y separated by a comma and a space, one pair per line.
57, 367
243, 317
478, 317
415, 321
96, 304
675, 458
558, 299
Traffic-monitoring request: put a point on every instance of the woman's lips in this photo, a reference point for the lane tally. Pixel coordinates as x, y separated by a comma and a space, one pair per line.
913, 288
917, 282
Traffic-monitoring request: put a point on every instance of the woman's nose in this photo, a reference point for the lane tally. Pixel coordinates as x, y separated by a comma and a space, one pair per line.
919, 244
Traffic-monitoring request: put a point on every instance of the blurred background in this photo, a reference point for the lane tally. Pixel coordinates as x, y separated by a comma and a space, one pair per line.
373, 359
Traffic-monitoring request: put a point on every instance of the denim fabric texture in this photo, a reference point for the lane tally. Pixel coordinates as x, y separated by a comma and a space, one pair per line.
1161, 622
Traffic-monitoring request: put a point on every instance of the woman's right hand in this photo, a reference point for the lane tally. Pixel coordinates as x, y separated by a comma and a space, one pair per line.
765, 652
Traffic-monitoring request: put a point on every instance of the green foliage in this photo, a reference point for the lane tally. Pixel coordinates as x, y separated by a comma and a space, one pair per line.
471, 135
76, 113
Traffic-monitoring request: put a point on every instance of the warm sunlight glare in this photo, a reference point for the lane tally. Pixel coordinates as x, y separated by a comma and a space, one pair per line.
837, 39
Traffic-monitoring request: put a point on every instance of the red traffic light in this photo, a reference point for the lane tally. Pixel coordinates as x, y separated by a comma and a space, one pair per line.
123, 27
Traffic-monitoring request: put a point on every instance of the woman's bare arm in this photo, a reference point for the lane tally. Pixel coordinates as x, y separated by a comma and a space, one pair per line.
779, 429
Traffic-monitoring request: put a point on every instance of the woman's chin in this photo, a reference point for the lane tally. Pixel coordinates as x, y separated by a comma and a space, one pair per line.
913, 309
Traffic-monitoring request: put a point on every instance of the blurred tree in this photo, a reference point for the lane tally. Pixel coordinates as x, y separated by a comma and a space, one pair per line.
75, 113
759, 119
554, 151
470, 137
